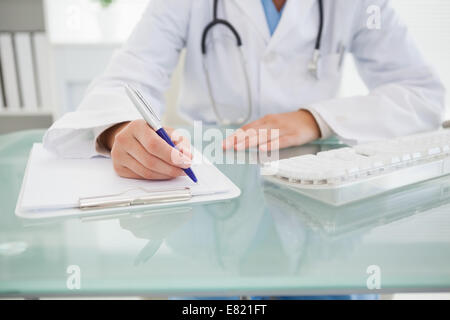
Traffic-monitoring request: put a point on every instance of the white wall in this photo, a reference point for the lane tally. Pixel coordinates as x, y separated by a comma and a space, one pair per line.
428, 20
429, 23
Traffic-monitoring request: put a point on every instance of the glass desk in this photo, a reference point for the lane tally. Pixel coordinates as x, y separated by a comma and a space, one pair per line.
270, 241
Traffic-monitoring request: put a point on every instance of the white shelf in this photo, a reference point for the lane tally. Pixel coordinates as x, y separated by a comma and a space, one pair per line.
25, 113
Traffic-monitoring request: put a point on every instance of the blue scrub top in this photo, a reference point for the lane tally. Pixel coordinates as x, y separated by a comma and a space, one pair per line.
273, 16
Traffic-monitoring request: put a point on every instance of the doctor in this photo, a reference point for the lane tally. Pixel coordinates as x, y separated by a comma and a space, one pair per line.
272, 64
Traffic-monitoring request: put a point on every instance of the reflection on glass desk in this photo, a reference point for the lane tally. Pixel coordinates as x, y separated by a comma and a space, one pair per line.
270, 241
334, 221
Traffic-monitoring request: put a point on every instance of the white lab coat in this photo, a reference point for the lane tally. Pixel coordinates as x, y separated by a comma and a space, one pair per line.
406, 96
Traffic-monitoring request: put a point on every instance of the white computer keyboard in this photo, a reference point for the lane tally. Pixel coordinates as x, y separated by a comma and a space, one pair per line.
344, 175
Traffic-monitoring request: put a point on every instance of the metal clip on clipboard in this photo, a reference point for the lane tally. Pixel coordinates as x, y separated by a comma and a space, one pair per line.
124, 200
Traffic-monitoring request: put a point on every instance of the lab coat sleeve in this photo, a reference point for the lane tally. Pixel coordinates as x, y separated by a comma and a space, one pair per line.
406, 96
145, 61
325, 130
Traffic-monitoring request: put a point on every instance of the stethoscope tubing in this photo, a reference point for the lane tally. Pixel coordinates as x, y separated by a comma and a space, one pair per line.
313, 66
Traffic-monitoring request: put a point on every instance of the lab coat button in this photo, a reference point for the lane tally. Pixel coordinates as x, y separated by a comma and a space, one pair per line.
269, 57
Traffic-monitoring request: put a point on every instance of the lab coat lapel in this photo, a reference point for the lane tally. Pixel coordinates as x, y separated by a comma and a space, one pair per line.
295, 13
255, 12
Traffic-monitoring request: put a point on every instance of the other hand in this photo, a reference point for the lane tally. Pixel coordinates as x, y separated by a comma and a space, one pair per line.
283, 130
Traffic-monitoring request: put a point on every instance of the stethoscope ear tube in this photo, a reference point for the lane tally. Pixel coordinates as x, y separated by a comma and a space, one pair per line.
207, 29
313, 66
217, 22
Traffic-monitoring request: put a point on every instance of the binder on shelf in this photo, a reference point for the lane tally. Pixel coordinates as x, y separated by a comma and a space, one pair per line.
42, 58
25, 65
2, 96
55, 187
9, 72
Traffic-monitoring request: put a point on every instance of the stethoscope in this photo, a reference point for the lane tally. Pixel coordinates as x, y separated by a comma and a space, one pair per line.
313, 66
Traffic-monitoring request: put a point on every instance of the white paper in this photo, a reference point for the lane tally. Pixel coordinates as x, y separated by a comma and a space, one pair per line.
55, 183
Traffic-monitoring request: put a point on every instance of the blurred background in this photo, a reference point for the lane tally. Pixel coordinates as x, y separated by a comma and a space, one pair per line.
50, 50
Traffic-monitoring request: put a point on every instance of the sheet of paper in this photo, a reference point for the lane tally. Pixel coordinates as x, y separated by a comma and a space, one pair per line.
55, 183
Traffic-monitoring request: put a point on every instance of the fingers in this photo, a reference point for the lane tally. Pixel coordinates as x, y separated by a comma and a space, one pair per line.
231, 140
181, 142
139, 153
146, 173
250, 138
124, 172
153, 163
294, 128
144, 165
282, 142
156, 146
134, 170
184, 146
255, 124
128, 173
254, 133
262, 137
241, 134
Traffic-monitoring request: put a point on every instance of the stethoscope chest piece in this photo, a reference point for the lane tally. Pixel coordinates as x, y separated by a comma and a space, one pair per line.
314, 65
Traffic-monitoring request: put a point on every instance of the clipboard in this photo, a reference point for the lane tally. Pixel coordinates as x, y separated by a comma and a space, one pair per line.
35, 199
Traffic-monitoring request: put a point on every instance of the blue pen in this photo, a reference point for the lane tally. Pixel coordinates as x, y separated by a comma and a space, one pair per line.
152, 119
